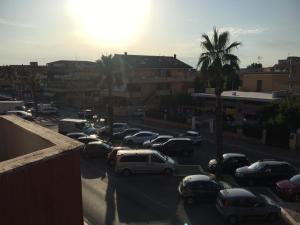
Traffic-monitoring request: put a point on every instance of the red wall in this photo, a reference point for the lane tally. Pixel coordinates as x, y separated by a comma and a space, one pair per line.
46, 193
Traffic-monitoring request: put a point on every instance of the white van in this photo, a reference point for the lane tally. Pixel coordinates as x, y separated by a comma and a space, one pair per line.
143, 161
75, 125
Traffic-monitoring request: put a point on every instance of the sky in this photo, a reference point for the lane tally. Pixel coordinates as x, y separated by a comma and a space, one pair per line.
45, 31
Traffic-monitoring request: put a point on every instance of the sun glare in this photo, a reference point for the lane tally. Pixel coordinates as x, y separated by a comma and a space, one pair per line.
110, 21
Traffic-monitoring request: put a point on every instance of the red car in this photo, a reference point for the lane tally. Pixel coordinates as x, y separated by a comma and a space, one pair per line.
289, 188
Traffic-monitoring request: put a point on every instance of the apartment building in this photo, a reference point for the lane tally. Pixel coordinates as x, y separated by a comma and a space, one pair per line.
73, 83
285, 75
150, 77
14, 79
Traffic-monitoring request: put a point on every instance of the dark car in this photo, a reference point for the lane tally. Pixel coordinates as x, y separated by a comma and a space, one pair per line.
76, 135
289, 189
264, 172
86, 114
128, 131
175, 146
193, 135
196, 187
97, 149
88, 139
238, 204
231, 161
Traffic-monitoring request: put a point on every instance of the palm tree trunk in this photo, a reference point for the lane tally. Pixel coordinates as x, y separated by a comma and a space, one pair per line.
110, 112
219, 133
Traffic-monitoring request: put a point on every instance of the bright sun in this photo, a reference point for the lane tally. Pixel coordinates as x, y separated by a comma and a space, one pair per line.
110, 21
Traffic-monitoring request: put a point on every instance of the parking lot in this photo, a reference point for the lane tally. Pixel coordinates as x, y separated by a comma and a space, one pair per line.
151, 199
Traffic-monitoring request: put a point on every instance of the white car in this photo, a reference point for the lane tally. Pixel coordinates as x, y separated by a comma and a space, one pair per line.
195, 137
140, 137
21, 113
117, 127
158, 140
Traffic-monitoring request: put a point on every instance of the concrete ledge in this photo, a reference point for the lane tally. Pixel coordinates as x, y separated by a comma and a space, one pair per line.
58, 144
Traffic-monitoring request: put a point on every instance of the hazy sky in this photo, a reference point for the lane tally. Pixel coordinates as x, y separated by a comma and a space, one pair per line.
45, 31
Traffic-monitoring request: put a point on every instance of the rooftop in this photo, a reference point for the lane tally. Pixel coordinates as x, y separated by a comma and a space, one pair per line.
242, 95
157, 62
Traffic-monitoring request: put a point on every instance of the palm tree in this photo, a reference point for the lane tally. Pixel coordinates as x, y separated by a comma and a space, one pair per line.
33, 82
110, 76
217, 62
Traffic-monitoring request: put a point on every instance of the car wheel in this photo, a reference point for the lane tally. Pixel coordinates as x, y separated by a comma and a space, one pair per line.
189, 200
272, 216
168, 172
297, 198
126, 172
232, 220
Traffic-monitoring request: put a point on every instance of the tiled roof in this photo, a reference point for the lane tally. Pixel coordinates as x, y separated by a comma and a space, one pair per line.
144, 61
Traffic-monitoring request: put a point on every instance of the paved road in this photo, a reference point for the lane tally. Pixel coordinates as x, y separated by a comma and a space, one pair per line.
140, 199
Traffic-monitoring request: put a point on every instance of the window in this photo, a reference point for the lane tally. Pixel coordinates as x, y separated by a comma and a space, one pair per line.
156, 159
134, 158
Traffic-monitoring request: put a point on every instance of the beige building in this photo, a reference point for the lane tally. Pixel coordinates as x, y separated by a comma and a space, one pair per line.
283, 76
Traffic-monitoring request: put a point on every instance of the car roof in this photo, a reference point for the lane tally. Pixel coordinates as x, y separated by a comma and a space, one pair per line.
165, 136
119, 123
237, 193
136, 151
200, 177
229, 155
132, 128
145, 132
88, 137
96, 142
179, 139
273, 162
73, 120
192, 132
76, 133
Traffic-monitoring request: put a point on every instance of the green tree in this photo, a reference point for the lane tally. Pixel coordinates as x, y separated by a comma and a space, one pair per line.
110, 76
216, 62
232, 79
200, 82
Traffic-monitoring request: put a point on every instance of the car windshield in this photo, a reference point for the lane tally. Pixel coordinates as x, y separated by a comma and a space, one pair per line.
257, 166
295, 180
163, 156
106, 146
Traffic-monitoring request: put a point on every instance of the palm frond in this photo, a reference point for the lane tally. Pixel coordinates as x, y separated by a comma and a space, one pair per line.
232, 45
216, 39
206, 44
223, 40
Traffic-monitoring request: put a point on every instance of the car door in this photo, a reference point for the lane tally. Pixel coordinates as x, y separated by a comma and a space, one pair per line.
142, 164
244, 208
157, 163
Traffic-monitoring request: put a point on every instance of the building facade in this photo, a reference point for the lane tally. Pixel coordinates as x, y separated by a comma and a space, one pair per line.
285, 75
73, 83
15, 79
150, 77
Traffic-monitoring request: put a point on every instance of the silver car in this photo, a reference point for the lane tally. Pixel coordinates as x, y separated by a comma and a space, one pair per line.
158, 140
143, 161
238, 204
